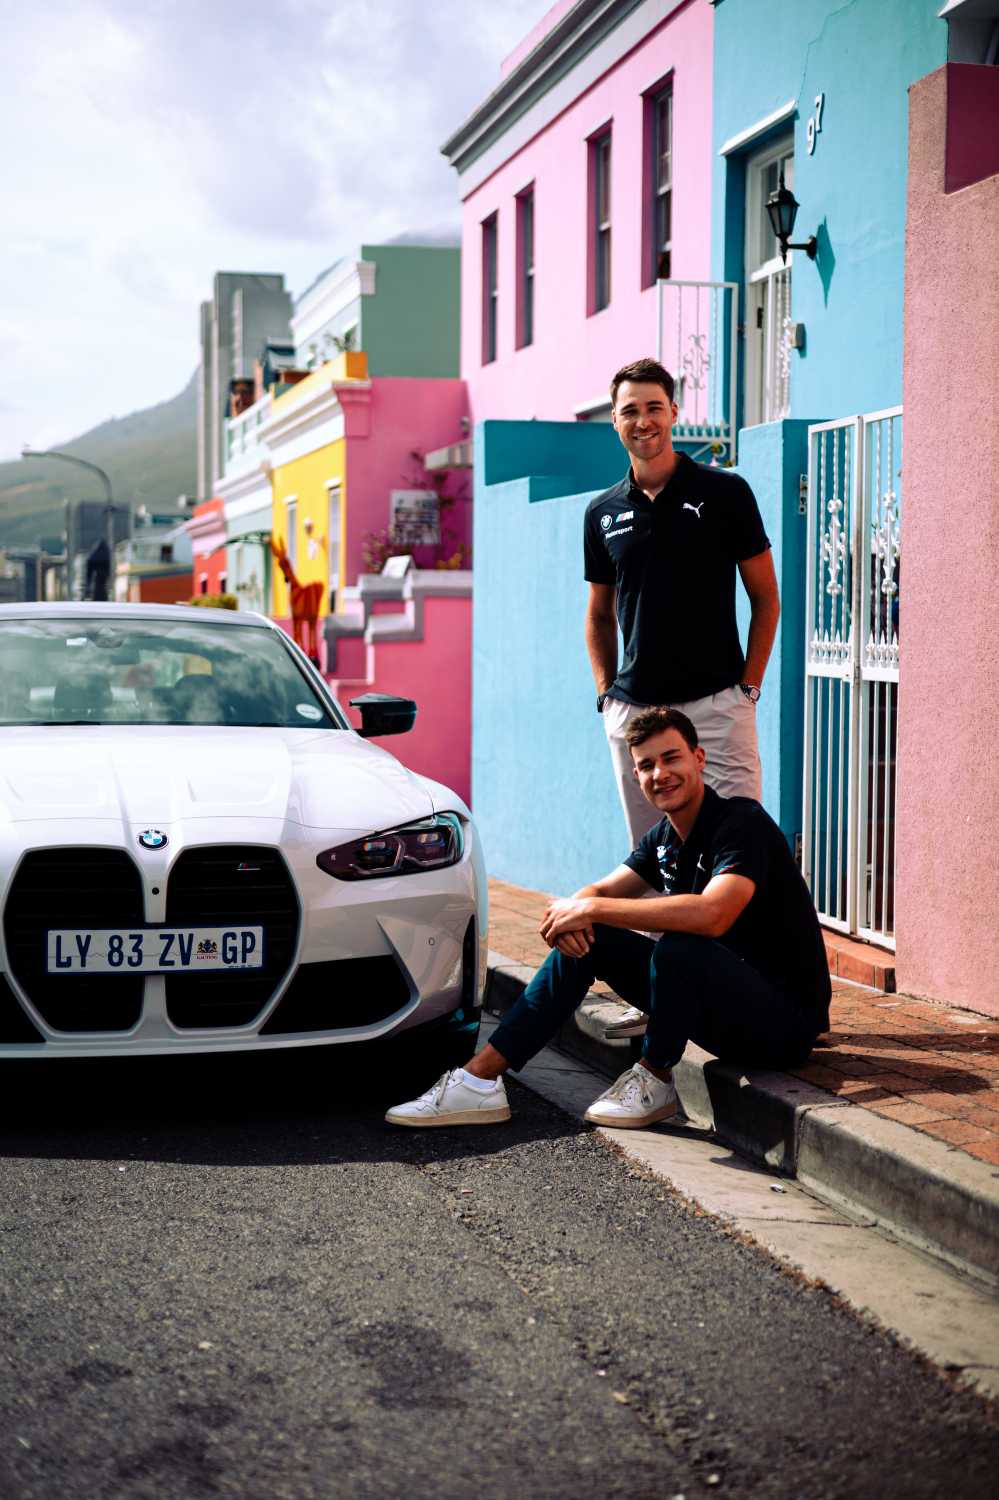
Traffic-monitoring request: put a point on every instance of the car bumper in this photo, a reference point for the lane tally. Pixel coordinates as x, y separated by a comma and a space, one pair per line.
363, 961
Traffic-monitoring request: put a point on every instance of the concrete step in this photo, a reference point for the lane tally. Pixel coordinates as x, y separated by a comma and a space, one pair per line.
925, 1192
861, 963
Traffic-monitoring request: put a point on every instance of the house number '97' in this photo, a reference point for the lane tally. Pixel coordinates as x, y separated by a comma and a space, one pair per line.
814, 125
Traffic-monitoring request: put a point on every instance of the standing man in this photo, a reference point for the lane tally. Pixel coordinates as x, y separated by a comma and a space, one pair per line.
661, 550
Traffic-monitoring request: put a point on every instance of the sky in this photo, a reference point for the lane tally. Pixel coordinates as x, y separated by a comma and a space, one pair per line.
151, 143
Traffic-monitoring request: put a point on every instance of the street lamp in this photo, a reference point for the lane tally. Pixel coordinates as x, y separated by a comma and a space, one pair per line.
83, 463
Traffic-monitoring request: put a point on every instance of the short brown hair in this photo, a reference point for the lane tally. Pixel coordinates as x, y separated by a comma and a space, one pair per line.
643, 372
656, 721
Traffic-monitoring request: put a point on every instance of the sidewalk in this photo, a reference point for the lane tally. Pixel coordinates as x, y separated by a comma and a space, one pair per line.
920, 1146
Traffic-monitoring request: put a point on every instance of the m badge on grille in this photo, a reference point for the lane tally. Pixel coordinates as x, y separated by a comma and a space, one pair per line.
153, 838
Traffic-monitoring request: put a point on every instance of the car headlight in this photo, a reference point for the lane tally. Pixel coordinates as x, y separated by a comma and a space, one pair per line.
430, 844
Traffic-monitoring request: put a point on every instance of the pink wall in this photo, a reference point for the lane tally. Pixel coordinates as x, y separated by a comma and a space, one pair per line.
947, 893
573, 356
437, 673
405, 415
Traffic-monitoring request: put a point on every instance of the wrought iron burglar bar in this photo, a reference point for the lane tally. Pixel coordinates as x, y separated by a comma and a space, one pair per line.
852, 671
697, 344
776, 311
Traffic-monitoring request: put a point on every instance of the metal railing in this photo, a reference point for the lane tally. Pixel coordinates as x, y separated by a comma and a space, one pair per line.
696, 341
242, 433
777, 346
852, 671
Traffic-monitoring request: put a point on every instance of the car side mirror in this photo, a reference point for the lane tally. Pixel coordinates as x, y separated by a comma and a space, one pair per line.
384, 713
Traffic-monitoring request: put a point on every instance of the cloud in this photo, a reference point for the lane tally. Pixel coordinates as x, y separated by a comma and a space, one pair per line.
160, 142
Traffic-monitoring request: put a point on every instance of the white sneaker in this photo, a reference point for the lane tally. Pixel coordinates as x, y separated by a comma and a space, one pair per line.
637, 1098
451, 1101
629, 1022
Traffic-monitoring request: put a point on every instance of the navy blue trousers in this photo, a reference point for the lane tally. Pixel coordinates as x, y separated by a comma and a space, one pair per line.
693, 989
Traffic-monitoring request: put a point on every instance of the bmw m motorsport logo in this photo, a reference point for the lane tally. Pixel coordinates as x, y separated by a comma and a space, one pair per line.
152, 838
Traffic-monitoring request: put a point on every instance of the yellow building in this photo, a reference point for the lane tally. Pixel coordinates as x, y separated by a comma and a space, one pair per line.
307, 435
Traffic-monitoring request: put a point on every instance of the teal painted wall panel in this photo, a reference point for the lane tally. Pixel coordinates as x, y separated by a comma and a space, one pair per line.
542, 789
862, 56
772, 457
588, 454
409, 326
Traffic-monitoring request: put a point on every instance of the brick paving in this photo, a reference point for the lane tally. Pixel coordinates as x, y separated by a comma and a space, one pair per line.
926, 1065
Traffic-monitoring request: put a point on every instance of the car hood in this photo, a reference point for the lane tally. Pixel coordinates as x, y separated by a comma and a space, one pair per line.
157, 776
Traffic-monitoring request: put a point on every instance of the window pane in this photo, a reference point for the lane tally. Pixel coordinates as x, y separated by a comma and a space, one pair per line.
525, 255
659, 184
664, 141
601, 228
489, 289
152, 672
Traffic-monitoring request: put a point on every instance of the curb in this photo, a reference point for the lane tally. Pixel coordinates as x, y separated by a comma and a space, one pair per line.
929, 1194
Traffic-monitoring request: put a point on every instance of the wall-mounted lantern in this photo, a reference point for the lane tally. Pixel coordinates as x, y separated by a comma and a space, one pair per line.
782, 210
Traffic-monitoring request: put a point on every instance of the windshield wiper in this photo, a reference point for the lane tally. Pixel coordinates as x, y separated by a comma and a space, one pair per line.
48, 722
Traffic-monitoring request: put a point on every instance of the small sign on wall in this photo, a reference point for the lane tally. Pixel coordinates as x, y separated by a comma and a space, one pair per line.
415, 518
814, 125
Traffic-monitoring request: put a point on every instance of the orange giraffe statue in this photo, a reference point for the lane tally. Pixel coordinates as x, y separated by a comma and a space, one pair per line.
305, 601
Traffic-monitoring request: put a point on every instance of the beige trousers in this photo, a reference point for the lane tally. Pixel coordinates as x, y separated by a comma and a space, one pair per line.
726, 727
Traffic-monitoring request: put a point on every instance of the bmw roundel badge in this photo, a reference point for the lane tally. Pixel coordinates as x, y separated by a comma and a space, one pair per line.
153, 838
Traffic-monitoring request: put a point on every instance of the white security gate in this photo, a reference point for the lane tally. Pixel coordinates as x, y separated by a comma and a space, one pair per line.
852, 670
696, 341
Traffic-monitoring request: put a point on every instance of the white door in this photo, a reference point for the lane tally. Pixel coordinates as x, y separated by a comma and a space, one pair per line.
768, 290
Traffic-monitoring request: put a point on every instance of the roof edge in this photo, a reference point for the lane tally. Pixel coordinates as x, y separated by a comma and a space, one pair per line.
555, 55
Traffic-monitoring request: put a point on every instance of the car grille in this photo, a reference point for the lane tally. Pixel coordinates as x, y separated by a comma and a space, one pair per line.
73, 888
231, 886
334, 996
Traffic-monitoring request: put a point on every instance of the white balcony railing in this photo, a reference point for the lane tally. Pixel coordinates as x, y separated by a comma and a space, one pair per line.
697, 344
242, 433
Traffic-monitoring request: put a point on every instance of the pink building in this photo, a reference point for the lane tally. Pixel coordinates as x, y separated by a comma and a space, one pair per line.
947, 881
585, 176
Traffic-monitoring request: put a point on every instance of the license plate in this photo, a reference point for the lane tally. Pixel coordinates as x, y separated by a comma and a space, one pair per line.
154, 950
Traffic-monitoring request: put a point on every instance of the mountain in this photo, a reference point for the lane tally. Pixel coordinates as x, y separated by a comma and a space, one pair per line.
150, 458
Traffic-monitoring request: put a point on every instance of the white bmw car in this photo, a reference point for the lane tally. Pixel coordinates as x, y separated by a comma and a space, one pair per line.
198, 853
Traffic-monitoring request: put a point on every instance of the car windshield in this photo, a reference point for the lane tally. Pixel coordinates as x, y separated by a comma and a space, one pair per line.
118, 671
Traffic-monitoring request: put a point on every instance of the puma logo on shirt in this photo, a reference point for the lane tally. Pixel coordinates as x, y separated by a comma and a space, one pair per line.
695, 508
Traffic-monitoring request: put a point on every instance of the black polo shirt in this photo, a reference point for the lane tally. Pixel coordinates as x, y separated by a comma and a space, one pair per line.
778, 933
672, 561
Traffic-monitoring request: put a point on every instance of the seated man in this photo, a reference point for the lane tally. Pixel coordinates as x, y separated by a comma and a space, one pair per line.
740, 967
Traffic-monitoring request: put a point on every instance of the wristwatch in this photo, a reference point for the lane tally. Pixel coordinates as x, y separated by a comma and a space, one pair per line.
600, 702
751, 692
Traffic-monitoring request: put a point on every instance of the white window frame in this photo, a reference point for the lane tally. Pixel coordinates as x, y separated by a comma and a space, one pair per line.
761, 279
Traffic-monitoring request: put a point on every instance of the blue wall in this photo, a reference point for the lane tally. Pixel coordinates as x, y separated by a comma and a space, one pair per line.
862, 56
542, 789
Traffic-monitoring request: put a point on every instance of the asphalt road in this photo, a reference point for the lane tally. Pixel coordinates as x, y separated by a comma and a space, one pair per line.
228, 1277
